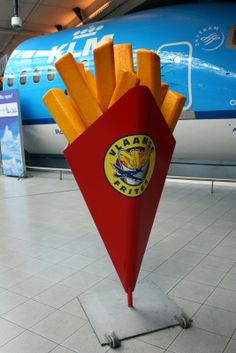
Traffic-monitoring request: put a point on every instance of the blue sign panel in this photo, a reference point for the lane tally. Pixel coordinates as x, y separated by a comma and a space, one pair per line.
12, 150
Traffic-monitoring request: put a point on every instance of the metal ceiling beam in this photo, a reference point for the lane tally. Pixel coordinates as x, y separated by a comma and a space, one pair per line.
115, 8
21, 33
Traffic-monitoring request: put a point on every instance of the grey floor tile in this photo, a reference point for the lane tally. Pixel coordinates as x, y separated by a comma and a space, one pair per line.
218, 263
58, 326
162, 338
55, 256
198, 341
84, 341
174, 269
81, 281
204, 243
102, 267
78, 261
229, 282
8, 331
95, 251
231, 347
57, 272
152, 260
9, 300
74, 307
57, 295
28, 314
188, 257
34, 266
233, 269
230, 240
28, 342
13, 259
60, 349
225, 251
188, 307
221, 227
215, 320
206, 275
166, 283
11, 277
31, 286
223, 299
196, 292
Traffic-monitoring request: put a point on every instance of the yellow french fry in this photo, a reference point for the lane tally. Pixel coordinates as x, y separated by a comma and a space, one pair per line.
81, 69
126, 81
78, 89
91, 82
123, 58
164, 89
105, 71
72, 102
148, 70
172, 108
64, 114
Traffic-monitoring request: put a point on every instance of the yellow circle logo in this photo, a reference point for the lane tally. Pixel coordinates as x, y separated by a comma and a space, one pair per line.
129, 163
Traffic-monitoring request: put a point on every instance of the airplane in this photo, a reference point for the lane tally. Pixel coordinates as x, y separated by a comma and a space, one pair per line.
197, 46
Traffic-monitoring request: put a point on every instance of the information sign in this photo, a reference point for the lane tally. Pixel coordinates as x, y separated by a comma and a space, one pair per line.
11, 138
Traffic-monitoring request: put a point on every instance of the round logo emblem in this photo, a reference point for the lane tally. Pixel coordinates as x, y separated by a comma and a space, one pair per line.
129, 164
209, 38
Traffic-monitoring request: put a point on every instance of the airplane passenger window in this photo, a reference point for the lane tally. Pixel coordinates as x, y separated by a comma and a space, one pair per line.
36, 76
23, 77
86, 63
231, 38
51, 73
234, 37
10, 80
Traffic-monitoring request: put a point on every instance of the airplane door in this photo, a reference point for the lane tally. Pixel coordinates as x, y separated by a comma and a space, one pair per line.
176, 61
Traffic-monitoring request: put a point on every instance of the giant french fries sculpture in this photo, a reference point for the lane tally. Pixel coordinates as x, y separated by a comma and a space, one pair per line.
126, 130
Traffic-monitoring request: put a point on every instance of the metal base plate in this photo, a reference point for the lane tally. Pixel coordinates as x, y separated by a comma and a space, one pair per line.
106, 308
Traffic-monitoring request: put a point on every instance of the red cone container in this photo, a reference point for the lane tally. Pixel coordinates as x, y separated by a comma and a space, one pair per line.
120, 164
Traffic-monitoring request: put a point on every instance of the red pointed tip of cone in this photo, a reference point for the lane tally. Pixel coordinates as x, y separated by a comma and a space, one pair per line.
130, 298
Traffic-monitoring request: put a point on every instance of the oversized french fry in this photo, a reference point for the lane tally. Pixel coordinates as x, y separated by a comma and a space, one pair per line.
123, 58
164, 89
82, 70
172, 108
64, 114
78, 89
91, 82
126, 81
148, 70
72, 102
105, 71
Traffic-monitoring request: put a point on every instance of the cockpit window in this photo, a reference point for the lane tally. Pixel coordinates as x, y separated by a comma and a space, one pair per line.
23, 77
51, 73
10, 80
36, 76
231, 38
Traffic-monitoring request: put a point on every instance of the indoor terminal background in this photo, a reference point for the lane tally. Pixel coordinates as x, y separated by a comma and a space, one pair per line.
51, 251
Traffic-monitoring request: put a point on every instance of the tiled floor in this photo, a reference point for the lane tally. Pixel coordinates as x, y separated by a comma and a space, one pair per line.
50, 252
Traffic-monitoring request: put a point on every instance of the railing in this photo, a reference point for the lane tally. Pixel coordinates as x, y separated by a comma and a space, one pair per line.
50, 169
212, 180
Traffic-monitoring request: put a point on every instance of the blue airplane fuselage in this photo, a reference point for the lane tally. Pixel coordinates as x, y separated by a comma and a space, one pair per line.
197, 47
